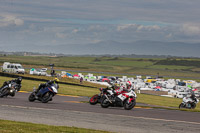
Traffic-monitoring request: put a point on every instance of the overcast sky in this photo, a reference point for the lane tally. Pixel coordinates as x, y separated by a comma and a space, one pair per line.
67, 22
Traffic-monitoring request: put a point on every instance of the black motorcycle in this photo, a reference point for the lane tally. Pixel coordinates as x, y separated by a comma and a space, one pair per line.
9, 89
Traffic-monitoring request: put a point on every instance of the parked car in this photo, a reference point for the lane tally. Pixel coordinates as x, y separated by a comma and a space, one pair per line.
39, 72
13, 68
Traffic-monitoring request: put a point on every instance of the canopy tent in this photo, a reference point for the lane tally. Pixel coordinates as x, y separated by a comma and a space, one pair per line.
76, 75
157, 87
68, 74
105, 80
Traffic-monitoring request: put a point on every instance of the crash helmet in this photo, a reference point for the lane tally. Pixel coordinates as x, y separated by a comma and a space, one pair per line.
56, 80
19, 80
116, 86
128, 84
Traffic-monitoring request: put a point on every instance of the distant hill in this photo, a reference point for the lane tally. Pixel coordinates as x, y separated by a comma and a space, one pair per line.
144, 47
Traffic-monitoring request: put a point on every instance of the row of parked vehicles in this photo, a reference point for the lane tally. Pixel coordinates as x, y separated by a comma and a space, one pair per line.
18, 68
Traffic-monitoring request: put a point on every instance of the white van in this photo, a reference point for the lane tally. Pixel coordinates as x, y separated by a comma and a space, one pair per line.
12, 68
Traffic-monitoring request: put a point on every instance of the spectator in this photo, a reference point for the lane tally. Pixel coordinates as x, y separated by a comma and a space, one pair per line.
81, 80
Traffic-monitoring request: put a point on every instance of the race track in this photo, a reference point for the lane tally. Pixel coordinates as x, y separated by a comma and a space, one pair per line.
69, 111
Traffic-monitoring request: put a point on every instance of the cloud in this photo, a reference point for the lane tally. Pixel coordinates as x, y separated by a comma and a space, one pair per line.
138, 27
191, 29
8, 20
169, 35
125, 26
149, 28
75, 31
61, 35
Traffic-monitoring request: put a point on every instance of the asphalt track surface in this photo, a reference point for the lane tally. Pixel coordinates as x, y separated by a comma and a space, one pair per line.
70, 111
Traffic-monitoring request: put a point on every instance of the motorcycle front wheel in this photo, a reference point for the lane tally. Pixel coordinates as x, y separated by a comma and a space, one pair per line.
4, 92
105, 103
31, 98
12, 94
181, 106
46, 97
129, 105
94, 100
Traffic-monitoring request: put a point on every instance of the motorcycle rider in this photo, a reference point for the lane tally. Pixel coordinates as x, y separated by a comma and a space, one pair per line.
193, 97
48, 83
18, 81
123, 88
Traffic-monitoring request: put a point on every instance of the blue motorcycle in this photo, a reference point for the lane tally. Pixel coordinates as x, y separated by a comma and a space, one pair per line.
44, 94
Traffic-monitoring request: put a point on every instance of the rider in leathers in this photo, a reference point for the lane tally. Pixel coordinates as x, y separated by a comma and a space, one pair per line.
17, 81
48, 83
193, 97
119, 89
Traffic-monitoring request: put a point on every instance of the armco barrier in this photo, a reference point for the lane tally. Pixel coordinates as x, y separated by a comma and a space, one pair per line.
158, 93
37, 79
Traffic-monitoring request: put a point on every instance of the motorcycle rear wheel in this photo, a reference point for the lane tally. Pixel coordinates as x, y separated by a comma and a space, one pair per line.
94, 100
46, 97
31, 98
129, 105
105, 103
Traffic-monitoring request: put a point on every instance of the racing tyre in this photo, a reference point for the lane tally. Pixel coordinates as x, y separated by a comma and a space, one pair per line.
4, 92
129, 105
181, 106
193, 106
12, 94
31, 98
94, 100
105, 103
46, 97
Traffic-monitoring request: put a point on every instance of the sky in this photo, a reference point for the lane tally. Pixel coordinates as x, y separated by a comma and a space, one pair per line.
71, 22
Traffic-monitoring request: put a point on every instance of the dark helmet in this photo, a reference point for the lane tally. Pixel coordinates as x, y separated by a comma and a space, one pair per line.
19, 80
192, 95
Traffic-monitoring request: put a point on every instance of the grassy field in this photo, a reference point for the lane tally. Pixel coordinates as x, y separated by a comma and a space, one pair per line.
164, 102
165, 67
22, 127
28, 85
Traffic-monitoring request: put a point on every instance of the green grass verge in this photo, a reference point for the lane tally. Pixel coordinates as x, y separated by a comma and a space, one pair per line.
23, 127
27, 85
163, 102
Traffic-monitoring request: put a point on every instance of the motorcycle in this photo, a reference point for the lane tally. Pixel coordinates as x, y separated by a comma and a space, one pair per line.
44, 94
125, 99
188, 103
9, 89
97, 98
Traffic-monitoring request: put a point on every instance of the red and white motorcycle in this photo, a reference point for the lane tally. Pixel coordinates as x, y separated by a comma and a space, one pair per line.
124, 99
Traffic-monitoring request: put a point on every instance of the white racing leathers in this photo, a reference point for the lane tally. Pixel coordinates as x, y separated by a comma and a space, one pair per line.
189, 103
126, 99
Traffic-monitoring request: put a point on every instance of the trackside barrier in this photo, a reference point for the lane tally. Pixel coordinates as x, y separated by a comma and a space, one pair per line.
37, 79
